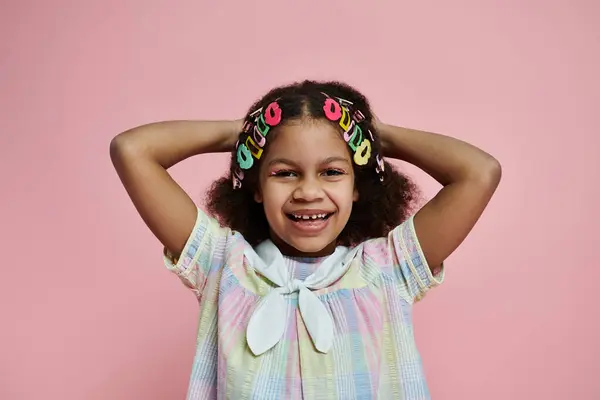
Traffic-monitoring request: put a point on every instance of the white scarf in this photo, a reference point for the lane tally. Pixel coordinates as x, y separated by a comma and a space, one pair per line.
267, 323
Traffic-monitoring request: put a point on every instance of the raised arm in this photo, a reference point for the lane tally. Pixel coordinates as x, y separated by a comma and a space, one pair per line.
141, 157
469, 177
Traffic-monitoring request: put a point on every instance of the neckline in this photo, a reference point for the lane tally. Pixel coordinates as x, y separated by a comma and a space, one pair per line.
268, 252
305, 259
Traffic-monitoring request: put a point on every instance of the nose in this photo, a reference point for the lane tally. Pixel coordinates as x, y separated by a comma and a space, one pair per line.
308, 190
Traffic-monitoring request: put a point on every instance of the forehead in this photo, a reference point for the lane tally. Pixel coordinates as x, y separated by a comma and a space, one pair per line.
307, 141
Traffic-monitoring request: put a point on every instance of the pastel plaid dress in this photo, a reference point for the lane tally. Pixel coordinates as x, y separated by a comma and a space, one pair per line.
373, 354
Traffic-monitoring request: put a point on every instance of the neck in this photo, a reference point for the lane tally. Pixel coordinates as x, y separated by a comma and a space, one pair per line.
291, 251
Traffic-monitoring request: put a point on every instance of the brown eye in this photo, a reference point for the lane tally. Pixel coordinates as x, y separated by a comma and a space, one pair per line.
333, 172
283, 173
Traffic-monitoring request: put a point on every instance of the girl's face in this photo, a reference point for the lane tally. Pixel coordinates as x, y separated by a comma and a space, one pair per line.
307, 187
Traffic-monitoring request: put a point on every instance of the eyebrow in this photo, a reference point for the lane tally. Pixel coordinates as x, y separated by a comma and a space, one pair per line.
328, 160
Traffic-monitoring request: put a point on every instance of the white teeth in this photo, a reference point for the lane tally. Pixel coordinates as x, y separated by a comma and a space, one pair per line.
307, 217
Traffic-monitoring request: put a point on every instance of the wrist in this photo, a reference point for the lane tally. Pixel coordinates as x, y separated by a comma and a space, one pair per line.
383, 131
231, 132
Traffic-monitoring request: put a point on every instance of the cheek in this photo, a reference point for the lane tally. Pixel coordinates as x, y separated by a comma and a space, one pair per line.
274, 197
343, 197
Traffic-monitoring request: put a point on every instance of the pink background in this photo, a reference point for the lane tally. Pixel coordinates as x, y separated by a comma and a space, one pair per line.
89, 312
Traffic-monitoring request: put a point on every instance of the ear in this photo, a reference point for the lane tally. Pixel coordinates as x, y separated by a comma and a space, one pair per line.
258, 196
355, 195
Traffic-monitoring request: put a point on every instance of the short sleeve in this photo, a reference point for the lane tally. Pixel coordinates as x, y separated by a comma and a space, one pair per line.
203, 252
409, 265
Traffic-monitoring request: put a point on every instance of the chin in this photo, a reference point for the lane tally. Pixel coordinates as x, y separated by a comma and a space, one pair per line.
305, 242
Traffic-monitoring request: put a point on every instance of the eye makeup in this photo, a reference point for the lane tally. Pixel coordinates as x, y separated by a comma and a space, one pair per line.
281, 172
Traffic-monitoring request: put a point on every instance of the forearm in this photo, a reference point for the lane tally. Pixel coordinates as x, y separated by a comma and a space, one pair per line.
141, 157
469, 175
446, 159
167, 143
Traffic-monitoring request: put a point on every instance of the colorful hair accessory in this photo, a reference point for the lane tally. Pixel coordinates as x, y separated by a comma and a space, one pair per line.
371, 135
238, 173
261, 126
341, 111
237, 177
250, 144
244, 157
342, 102
380, 165
273, 114
356, 139
346, 121
247, 126
352, 131
332, 109
237, 184
255, 112
358, 116
363, 153
259, 136
256, 127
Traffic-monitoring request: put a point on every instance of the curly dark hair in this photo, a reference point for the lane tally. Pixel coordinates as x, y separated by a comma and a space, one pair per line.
382, 204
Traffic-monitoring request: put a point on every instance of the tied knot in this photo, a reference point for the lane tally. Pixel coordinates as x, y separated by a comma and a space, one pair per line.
292, 286
269, 320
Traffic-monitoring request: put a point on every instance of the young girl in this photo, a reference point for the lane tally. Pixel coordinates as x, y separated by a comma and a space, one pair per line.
309, 262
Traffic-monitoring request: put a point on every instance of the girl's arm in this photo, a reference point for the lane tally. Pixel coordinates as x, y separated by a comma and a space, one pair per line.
469, 176
141, 157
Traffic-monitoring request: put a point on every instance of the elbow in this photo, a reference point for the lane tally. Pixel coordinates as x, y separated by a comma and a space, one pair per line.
482, 171
122, 146
489, 172
117, 147
494, 170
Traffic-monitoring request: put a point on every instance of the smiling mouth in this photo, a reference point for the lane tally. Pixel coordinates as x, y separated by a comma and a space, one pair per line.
308, 218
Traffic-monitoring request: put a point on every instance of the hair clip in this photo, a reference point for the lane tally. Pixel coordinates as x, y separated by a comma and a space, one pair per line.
371, 135
273, 114
380, 164
353, 135
344, 102
332, 109
380, 168
237, 177
247, 126
339, 110
252, 147
358, 116
237, 184
254, 113
244, 157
